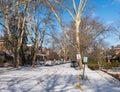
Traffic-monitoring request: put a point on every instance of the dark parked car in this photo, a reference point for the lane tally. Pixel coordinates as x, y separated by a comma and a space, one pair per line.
74, 64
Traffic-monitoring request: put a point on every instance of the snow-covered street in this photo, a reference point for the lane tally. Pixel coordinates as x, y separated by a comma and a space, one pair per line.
59, 78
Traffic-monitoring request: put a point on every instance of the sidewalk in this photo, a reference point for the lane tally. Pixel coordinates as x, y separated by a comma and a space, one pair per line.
100, 82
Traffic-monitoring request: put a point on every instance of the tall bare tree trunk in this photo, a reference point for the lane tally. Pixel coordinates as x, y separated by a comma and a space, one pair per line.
78, 54
7, 20
35, 48
16, 59
36, 36
20, 34
34, 54
8, 34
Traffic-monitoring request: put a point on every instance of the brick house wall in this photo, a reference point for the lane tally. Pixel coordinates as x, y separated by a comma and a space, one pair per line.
117, 50
2, 47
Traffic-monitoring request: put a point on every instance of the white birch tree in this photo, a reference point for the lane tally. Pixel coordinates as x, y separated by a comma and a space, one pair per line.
76, 15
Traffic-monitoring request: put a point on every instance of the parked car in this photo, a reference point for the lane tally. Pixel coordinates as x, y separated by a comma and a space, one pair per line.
74, 64
61, 62
49, 63
57, 62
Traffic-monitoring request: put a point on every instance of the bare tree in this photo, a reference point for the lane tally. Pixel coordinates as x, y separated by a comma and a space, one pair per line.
4, 10
38, 25
20, 24
90, 30
114, 29
61, 46
76, 15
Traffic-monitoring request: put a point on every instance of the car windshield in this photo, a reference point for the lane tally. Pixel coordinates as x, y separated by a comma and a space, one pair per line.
74, 62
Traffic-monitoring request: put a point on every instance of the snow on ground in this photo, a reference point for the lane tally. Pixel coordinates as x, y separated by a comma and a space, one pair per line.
40, 79
100, 83
59, 78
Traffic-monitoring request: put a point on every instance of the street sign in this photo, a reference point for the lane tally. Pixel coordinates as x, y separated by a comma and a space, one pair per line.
85, 59
78, 56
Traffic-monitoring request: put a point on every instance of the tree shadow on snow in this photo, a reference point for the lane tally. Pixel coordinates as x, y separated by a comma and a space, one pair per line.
54, 83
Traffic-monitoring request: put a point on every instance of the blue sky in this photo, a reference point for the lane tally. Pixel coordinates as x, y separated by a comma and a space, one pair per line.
109, 13
108, 10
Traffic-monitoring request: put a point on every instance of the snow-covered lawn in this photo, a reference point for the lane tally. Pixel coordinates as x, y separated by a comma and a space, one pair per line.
59, 78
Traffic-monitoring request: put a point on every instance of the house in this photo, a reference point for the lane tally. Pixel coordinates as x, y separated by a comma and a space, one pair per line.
116, 49
113, 53
2, 45
43, 53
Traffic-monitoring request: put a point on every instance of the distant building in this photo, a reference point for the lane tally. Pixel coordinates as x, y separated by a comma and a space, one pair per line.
112, 53
43, 53
116, 49
2, 46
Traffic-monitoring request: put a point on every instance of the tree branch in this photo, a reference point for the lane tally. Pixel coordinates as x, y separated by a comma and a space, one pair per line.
74, 7
60, 21
65, 9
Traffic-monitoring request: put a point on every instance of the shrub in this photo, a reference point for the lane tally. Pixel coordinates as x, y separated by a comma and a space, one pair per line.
115, 64
93, 65
107, 65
